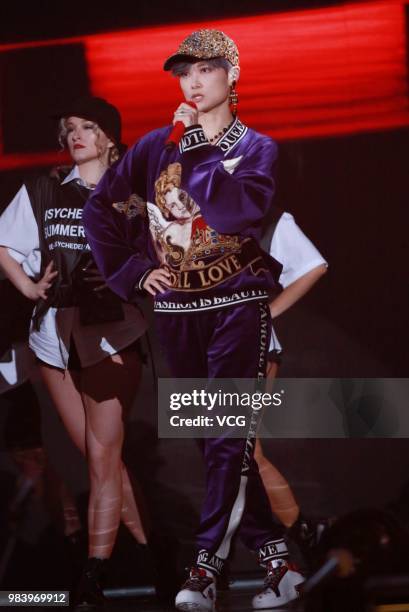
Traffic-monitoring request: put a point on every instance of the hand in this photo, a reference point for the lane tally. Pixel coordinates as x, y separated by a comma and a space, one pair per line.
271, 370
35, 291
155, 280
93, 275
186, 114
272, 309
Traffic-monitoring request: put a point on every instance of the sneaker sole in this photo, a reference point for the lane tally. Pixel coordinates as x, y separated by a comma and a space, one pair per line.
276, 605
195, 607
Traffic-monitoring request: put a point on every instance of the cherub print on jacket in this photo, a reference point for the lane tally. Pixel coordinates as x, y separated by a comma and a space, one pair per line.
180, 234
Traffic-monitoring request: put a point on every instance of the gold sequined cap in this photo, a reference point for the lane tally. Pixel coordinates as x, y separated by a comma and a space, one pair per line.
203, 45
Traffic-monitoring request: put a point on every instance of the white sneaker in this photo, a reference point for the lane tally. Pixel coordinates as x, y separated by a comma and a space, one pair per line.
280, 586
198, 593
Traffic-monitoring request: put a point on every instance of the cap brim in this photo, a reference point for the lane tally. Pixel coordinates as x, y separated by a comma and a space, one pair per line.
181, 57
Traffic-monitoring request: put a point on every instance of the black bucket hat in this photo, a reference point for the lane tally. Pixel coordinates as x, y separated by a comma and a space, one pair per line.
106, 115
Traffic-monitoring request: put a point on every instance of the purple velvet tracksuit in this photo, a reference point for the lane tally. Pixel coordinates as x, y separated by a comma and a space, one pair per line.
198, 210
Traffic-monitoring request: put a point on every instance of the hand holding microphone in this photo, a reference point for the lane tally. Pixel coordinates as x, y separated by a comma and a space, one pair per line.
186, 115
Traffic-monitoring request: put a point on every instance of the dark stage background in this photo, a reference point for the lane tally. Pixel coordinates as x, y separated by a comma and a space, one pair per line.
328, 80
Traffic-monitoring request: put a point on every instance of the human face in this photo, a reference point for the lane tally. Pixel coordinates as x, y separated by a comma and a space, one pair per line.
206, 85
176, 202
86, 141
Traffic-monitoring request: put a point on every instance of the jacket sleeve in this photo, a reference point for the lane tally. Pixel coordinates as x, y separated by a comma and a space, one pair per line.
118, 235
232, 203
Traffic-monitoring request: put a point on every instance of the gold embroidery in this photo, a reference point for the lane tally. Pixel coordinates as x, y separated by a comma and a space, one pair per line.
207, 242
132, 207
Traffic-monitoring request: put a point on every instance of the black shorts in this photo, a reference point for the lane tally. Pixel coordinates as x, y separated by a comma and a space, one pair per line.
74, 362
274, 357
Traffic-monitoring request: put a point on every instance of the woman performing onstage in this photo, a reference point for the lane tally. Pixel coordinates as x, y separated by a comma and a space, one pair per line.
85, 339
195, 247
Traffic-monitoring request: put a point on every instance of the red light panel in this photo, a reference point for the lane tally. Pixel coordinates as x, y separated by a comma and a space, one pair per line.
311, 73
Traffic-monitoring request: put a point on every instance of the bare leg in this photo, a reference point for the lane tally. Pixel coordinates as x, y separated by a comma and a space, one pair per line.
107, 389
282, 501
133, 514
104, 437
64, 389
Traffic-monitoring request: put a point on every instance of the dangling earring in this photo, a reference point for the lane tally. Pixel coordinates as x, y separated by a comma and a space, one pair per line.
233, 99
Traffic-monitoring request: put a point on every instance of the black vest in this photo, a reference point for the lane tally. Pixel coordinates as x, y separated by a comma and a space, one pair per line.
58, 212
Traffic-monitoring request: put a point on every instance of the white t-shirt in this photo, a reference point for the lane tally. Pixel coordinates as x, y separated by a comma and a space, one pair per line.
19, 369
291, 247
19, 233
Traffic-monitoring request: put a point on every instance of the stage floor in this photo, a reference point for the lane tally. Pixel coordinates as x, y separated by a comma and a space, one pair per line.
235, 601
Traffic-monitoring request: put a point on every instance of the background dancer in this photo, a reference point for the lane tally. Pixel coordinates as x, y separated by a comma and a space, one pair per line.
222, 189
84, 337
303, 265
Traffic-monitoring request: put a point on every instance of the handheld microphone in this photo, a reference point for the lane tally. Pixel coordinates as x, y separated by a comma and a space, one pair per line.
178, 130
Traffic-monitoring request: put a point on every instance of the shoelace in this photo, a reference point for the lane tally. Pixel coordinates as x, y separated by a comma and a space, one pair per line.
197, 580
274, 577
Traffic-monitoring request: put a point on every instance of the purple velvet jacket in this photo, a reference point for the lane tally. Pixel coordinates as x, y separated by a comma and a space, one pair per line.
198, 210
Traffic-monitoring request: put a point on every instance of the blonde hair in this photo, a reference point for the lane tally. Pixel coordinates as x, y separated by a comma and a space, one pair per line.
113, 153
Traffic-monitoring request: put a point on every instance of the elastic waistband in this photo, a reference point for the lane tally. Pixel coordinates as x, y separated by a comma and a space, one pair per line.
212, 302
